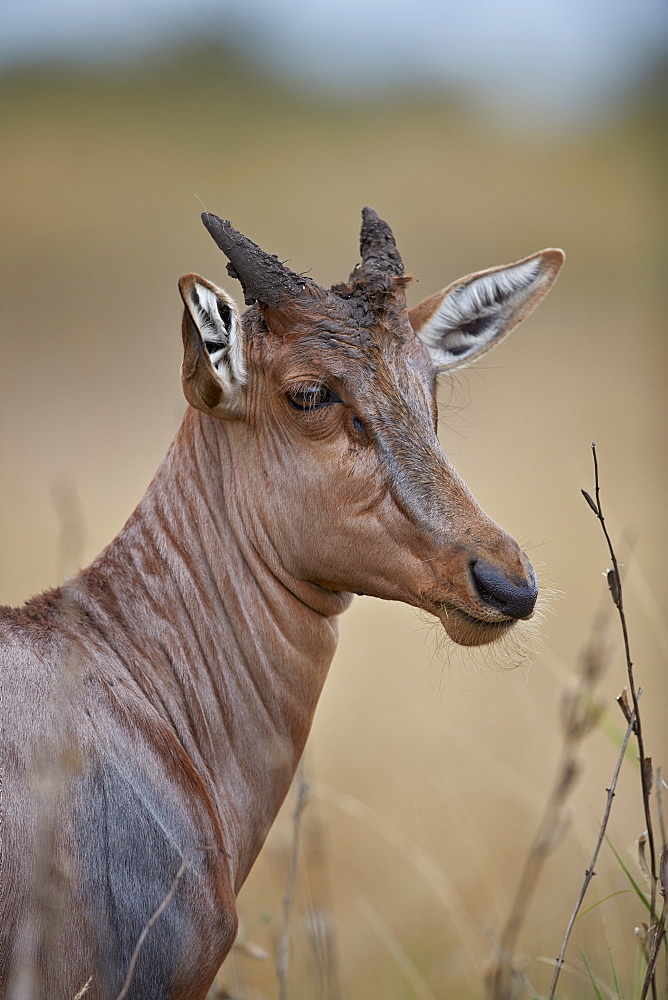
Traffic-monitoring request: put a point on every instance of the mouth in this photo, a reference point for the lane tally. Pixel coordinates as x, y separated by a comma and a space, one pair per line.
466, 630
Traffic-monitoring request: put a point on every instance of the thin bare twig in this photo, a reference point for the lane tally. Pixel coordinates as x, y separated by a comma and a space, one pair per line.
579, 713
657, 925
659, 931
589, 871
283, 951
580, 971
149, 923
509, 967
501, 978
616, 591
660, 785
84, 989
319, 923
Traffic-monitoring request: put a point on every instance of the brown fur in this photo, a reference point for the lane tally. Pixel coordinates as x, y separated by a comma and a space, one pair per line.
423, 312
166, 693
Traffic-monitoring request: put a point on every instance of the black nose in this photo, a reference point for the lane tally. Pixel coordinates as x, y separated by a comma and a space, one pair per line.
498, 592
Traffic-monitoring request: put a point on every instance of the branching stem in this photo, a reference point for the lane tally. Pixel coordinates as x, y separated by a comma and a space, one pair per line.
590, 871
283, 952
615, 584
645, 777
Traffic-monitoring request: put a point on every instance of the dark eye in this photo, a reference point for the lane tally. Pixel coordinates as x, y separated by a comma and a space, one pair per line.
310, 397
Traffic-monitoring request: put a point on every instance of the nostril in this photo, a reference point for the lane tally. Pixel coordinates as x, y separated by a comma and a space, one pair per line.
500, 593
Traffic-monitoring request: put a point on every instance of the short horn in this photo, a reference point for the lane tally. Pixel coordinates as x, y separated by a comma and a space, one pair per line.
263, 277
377, 247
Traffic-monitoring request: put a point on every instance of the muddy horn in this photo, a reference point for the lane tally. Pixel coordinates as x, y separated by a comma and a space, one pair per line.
262, 276
380, 257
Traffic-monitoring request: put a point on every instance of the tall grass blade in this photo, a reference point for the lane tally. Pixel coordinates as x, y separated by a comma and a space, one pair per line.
636, 888
619, 892
614, 974
592, 979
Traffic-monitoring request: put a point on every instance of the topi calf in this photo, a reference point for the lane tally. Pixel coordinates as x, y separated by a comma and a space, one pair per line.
155, 707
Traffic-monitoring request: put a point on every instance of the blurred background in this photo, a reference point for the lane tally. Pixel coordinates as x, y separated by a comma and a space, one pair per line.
482, 132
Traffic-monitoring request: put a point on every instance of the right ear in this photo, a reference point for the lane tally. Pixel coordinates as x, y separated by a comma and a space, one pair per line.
469, 317
213, 373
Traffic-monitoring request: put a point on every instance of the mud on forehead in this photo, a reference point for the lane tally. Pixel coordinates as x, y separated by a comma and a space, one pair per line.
356, 321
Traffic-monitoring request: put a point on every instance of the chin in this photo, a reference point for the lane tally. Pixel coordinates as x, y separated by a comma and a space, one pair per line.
466, 630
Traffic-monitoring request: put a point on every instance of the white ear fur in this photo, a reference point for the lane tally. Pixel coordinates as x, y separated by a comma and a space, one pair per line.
475, 313
214, 369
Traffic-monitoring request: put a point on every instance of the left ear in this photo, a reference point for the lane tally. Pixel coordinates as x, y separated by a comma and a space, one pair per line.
213, 373
472, 315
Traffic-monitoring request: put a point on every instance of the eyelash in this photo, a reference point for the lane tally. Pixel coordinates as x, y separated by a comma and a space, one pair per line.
310, 397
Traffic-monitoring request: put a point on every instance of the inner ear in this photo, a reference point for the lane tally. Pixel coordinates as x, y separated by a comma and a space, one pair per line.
475, 313
214, 318
213, 371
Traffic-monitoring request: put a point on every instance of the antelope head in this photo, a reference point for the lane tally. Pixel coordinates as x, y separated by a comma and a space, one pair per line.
327, 401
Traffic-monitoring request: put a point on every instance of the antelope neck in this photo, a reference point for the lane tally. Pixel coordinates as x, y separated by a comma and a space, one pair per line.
228, 648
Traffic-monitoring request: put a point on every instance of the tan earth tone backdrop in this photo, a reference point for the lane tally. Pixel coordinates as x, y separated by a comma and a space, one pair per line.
429, 767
